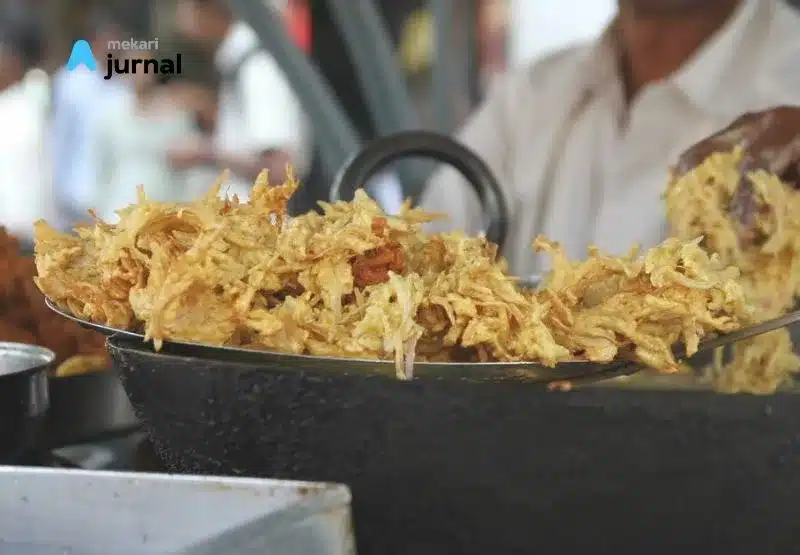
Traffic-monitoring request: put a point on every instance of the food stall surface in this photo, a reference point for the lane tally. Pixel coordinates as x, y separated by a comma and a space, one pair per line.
48, 511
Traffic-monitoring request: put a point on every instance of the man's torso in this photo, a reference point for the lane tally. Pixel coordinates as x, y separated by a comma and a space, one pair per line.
582, 169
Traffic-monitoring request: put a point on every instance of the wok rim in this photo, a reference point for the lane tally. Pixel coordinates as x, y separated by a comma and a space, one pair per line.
269, 361
516, 371
270, 356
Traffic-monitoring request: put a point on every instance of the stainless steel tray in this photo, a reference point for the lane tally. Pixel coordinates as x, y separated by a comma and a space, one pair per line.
47, 511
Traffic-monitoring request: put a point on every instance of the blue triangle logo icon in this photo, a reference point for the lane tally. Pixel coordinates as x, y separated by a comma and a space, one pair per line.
81, 56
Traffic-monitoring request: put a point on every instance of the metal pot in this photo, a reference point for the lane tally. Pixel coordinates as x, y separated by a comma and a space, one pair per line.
24, 398
87, 407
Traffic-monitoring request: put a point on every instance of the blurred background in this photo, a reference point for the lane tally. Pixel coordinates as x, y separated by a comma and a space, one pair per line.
355, 69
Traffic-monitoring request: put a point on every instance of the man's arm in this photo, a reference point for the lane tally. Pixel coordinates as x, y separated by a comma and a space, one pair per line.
488, 134
277, 131
770, 140
248, 166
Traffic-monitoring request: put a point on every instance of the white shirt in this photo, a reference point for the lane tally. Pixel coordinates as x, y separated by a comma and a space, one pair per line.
259, 111
25, 185
603, 185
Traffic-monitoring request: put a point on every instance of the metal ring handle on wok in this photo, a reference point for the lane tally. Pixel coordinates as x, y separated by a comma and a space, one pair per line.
384, 150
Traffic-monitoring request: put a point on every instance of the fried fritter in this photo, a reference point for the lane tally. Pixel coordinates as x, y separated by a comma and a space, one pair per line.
643, 305
355, 282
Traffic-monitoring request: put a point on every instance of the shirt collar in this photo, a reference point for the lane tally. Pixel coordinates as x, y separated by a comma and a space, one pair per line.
599, 65
239, 40
703, 76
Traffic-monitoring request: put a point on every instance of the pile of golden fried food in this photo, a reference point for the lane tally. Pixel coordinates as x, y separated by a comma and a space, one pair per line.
697, 204
24, 318
355, 282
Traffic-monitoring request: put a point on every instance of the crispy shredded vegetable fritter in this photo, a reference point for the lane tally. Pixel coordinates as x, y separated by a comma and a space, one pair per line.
698, 204
676, 292
355, 282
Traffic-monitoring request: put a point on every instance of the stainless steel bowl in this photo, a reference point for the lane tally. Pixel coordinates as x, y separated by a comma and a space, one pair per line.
24, 398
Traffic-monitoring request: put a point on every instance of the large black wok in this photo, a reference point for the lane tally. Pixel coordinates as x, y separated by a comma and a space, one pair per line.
453, 466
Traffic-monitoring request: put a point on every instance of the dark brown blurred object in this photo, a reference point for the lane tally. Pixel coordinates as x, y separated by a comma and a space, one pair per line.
24, 318
770, 140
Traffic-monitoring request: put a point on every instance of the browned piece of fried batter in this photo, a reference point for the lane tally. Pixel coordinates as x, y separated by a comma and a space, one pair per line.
374, 265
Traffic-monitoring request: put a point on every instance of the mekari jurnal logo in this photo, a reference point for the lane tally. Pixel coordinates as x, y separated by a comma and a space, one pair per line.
124, 64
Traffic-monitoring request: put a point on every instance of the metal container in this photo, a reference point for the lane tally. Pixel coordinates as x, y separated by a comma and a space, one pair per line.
47, 511
86, 408
24, 398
